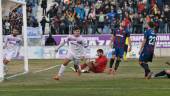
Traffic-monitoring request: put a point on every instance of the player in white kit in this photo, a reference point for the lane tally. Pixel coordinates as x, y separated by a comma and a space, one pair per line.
11, 47
76, 53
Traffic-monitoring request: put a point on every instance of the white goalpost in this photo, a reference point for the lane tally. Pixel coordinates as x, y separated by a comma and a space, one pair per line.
1, 47
24, 32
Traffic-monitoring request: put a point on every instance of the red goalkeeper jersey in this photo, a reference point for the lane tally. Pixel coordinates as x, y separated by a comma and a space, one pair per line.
102, 62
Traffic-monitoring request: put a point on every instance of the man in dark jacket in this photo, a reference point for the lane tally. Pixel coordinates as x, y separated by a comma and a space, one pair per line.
43, 24
44, 6
50, 41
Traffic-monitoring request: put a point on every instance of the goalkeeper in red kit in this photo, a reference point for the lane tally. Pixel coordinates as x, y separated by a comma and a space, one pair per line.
97, 66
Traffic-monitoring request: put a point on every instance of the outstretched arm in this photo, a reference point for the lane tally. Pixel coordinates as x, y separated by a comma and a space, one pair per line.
60, 45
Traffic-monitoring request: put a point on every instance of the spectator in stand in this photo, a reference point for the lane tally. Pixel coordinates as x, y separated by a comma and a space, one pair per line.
92, 15
141, 7
43, 24
50, 41
7, 27
167, 18
44, 7
56, 24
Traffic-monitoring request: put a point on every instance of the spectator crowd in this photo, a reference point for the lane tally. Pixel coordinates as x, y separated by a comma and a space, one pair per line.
15, 17
93, 16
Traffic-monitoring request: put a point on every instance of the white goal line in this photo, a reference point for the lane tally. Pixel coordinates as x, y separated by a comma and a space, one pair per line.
46, 69
16, 75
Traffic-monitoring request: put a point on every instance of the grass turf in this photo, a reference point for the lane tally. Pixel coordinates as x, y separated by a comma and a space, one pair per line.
127, 82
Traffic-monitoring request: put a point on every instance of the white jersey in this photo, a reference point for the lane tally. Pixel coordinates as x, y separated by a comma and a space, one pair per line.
12, 43
77, 45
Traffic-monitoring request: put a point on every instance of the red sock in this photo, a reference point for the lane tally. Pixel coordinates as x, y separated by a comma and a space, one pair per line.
83, 66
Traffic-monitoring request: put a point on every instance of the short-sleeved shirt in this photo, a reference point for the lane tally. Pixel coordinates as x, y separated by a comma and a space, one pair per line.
120, 36
13, 43
150, 37
102, 62
77, 45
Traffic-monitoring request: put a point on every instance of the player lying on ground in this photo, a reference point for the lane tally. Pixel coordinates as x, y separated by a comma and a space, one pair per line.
11, 47
147, 49
97, 66
118, 41
77, 46
163, 73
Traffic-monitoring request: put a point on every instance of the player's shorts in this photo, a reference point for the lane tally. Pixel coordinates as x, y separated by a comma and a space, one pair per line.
125, 48
119, 52
146, 56
95, 69
74, 57
8, 54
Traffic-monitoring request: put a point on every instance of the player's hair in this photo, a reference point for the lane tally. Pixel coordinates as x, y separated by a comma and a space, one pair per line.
76, 28
100, 50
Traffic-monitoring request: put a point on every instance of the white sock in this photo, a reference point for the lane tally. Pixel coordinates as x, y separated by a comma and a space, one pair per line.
5, 69
79, 67
61, 71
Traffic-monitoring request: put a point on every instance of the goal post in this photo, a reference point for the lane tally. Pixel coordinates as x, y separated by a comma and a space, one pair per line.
24, 34
1, 47
26, 69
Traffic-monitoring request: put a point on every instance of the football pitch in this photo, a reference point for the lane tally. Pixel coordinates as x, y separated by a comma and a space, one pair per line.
128, 81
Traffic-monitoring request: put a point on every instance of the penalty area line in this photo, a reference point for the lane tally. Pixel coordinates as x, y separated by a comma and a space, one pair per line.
46, 69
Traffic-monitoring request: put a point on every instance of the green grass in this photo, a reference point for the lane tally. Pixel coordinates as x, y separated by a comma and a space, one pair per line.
127, 82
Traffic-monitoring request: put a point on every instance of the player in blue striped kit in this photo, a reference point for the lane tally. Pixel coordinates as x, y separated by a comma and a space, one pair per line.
118, 40
147, 49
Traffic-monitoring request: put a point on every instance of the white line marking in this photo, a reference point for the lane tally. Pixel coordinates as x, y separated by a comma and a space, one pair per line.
16, 75
57, 89
46, 69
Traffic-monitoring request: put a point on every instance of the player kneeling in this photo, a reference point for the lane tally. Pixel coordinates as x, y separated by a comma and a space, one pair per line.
11, 47
77, 46
97, 66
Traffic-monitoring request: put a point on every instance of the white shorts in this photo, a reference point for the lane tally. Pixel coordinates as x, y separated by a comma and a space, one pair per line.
75, 58
8, 54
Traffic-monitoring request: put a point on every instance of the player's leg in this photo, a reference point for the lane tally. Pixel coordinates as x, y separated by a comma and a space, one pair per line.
5, 63
92, 67
7, 58
85, 65
146, 68
125, 52
168, 73
119, 57
112, 61
77, 66
62, 69
118, 60
144, 58
63, 66
162, 73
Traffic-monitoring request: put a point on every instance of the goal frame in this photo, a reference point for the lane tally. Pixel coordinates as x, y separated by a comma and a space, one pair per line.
24, 32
